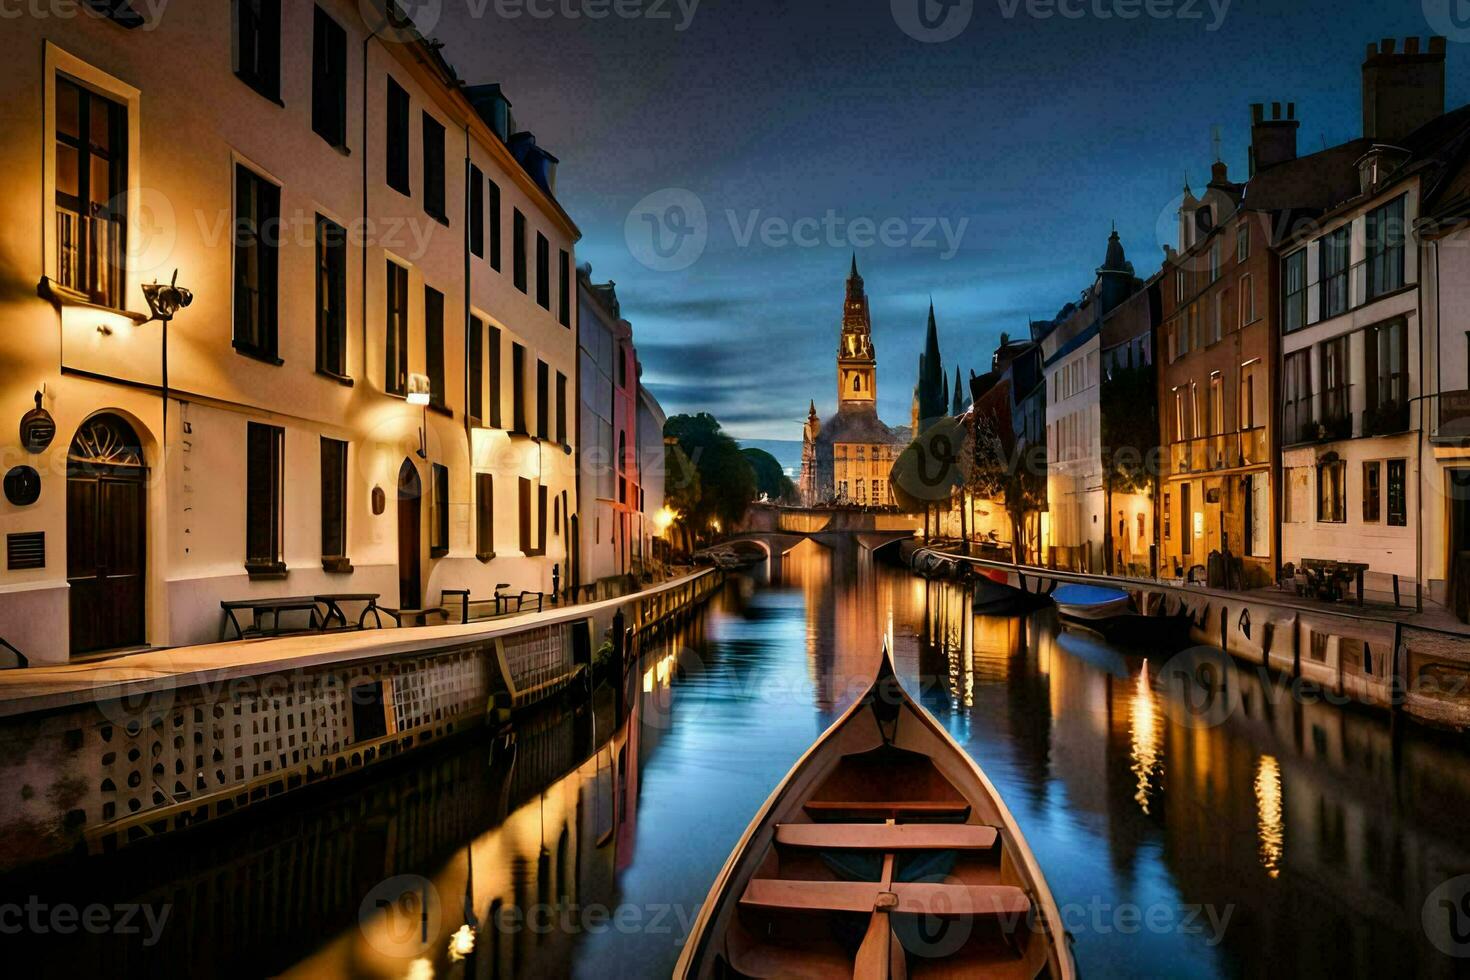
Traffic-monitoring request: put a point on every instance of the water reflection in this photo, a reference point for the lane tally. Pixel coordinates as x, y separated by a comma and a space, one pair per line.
1291, 838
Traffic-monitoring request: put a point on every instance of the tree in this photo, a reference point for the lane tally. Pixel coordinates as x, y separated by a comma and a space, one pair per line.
770, 479
726, 479
1008, 470
682, 492
1130, 437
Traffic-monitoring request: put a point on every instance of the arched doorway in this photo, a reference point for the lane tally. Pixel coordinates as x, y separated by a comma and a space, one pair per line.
106, 536
410, 513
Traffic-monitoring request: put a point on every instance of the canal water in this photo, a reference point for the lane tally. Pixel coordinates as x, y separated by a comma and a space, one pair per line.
1284, 836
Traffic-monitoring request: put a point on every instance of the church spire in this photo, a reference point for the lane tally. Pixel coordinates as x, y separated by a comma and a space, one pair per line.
854, 273
857, 366
931, 394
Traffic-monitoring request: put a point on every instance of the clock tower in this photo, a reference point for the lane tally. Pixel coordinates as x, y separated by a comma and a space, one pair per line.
857, 368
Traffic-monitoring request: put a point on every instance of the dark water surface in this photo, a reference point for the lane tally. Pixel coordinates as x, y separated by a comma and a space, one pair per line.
1284, 839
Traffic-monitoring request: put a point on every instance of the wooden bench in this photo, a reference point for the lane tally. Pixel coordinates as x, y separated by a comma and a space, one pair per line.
924, 898
333, 603
501, 601
888, 836
888, 809
414, 617
268, 606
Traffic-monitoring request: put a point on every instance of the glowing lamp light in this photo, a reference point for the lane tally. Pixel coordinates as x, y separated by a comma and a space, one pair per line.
418, 389
664, 518
462, 943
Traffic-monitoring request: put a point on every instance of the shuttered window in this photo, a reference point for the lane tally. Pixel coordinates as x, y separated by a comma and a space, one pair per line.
433, 162
484, 516
477, 212
331, 297
334, 500
524, 515
329, 79
543, 272
518, 249
439, 510
493, 342
564, 288
561, 408
263, 492
518, 387
434, 344
397, 141
494, 203
257, 240
475, 355
543, 400
396, 341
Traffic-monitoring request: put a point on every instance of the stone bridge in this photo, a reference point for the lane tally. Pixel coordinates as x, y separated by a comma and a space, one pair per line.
775, 530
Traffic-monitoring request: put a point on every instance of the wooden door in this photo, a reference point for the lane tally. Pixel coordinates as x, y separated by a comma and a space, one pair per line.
410, 513
106, 537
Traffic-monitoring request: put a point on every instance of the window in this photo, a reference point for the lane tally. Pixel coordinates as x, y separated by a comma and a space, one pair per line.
1179, 286
1334, 380
1242, 243
1257, 515
1247, 301
91, 193
1247, 406
1331, 490
564, 288
1216, 318
1332, 261
494, 189
434, 344
622, 462
1294, 301
543, 400
1215, 260
433, 140
1398, 500
525, 516
1216, 408
329, 79
258, 45
1181, 432
439, 510
331, 297
518, 249
543, 272
475, 355
518, 388
540, 520
257, 214
493, 342
334, 505
477, 212
561, 408
263, 492
397, 142
1384, 248
1296, 387
1388, 376
484, 516
1372, 492
1186, 537
1168, 518
396, 342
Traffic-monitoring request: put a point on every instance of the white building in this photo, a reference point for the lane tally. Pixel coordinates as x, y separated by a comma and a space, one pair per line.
391, 232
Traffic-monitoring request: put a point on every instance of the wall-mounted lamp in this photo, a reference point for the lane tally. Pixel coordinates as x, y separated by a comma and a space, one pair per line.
163, 302
419, 392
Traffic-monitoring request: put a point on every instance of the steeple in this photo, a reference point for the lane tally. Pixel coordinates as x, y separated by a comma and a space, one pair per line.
960, 401
931, 394
857, 365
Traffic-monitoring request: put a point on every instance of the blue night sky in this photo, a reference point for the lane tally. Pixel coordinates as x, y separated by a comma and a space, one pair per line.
1031, 134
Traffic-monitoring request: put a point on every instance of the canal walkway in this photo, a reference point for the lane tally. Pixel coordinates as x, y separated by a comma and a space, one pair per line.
53, 686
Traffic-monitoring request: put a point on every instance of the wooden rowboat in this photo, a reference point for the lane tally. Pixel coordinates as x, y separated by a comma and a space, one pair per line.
884, 853
993, 595
1110, 614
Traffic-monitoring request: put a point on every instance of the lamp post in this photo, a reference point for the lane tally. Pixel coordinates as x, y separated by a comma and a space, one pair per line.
419, 391
163, 302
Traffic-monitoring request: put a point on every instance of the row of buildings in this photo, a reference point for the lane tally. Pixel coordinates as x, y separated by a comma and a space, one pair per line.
391, 376
1300, 362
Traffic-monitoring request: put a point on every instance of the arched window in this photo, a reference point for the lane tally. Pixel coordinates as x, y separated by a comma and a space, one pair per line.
857, 382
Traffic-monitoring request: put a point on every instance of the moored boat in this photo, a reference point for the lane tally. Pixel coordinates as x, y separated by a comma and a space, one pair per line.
1109, 613
885, 852
1091, 601
994, 596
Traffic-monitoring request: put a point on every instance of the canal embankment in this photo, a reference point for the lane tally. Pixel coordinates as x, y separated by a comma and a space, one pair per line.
1389, 659
102, 754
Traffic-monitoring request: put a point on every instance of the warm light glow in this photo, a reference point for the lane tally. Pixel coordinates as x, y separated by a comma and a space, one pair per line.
1269, 824
664, 519
462, 943
418, 389
420, 969
1144, 732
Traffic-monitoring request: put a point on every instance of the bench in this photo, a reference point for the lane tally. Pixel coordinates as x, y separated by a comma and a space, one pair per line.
1330, 580
414, 617
501, 601
888, 836
924, 898
268, 606
333, 603
890, 809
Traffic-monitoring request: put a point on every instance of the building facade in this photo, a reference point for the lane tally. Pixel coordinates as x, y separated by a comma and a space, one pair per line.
847, 458
370, 391
653, 519
608, 477
1129, 399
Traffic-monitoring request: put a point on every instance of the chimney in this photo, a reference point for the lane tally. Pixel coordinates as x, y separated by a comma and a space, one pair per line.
1402, 90
1273, 140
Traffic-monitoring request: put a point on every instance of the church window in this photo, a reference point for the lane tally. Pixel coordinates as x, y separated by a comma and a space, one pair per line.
856, 383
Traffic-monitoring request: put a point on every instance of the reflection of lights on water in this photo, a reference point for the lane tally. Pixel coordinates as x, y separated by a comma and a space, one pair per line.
1144, 731
658, 673
1269, 825
462, 943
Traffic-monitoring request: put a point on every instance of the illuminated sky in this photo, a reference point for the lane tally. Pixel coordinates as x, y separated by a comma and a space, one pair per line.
1031, 134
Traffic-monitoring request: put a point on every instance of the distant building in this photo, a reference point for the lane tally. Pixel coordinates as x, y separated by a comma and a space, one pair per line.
848, 457
651, 471
1127, 354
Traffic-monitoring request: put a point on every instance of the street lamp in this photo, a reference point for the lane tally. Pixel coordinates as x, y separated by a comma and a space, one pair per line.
419, 394
163, 302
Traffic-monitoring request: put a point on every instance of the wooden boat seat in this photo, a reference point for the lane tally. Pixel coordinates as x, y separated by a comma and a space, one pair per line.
886, 809
863, 896
887, 836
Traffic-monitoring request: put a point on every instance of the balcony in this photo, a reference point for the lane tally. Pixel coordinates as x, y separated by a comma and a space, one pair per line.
1225, 451
1389, 418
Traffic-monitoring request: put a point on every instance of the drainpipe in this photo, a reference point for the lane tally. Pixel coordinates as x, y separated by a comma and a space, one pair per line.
469, 436
362, 309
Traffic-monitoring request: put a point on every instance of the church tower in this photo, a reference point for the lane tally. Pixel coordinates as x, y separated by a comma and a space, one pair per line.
857, 367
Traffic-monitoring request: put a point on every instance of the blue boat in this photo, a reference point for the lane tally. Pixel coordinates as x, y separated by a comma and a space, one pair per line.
1109, 613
